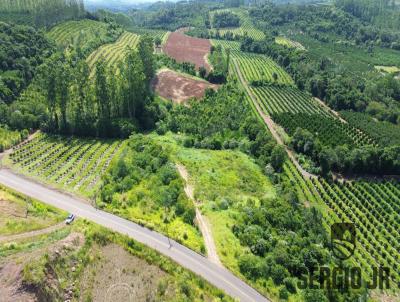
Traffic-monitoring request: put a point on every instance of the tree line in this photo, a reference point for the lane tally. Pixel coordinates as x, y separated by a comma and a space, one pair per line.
43, 13
343, 159
111, 102
225, 19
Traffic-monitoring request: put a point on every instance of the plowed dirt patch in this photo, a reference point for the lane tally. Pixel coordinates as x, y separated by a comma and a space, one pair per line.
173, 86
188, 49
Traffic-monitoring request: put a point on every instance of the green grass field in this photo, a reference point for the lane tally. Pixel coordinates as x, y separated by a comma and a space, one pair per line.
20, 214
223, 181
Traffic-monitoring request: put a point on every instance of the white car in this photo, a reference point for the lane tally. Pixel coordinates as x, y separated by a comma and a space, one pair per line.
70, 219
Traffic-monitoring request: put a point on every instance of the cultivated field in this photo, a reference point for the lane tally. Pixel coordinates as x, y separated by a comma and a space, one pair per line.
289, 43
246, 28
286, 99
71, 163
179, 88
234, 46
115, 52
154, 33
329, 130
84, 31
372, 205
188, 49
261, 68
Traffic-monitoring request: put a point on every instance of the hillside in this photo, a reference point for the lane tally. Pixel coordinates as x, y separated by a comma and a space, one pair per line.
255, 144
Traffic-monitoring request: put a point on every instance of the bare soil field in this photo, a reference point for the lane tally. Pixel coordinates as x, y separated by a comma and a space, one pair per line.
178, 88
188, 49
119, 276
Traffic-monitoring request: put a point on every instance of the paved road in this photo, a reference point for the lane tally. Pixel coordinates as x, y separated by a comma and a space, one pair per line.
219, 277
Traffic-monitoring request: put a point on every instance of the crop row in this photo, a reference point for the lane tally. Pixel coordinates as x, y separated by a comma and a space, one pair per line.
384, 133
286, 99
234, 46
329, 130
72, 163
246, 28
70, 31
261, 68
154, 33
374, 208
289, 43
114, 52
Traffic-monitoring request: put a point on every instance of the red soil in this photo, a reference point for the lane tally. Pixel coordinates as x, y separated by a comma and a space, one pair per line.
171, 85
187, 49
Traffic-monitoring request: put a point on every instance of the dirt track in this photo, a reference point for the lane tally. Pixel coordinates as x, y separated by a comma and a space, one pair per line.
202, 221
272, 126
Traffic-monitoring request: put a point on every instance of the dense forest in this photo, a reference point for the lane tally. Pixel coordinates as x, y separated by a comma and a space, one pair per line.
225, 19
22, 50
384, 13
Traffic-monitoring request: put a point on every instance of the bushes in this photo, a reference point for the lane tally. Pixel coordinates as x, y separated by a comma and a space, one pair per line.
225, 19
144, 168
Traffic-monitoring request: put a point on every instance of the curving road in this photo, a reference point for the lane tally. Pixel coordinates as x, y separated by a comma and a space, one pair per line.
216, 275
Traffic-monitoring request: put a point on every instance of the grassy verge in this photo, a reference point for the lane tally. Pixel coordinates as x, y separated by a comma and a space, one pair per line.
20, 214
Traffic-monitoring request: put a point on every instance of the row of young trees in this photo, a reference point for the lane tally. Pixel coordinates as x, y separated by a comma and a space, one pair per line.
44, 12
112, 102
347, 160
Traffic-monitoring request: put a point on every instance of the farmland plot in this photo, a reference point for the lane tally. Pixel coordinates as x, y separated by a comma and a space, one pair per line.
188, 49
289, 43
233, 46
373, 206
178, 88
154, 33
261, 68
67, 162
246, 28
85, 30
329, 130
286, 99
113, 53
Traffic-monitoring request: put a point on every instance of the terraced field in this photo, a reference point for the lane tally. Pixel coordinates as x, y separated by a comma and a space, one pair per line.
289, 43
71, 163
373, 206
112, 53
246, 28
154, 33
8, 138
259, 67
85, 30
234, 46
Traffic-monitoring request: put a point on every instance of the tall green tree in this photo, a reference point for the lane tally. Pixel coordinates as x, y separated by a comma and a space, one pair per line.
133, 85
146, 49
